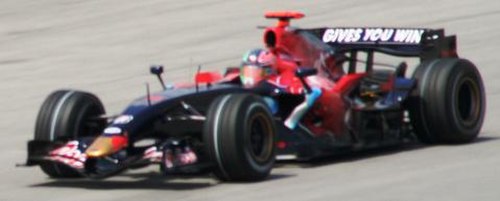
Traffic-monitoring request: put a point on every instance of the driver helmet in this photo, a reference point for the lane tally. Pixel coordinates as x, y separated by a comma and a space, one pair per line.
257, 65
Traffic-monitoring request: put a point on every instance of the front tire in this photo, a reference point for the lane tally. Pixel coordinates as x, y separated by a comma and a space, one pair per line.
66, 115
449, 102
240, 137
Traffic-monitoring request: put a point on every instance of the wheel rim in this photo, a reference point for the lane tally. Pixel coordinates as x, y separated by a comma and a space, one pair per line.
261, 137
468, 101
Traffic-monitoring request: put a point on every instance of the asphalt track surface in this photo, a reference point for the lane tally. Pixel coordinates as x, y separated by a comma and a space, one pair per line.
106, 47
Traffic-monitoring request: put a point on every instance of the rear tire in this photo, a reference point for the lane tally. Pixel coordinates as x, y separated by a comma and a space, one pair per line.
64, 116
240, 137
449, 102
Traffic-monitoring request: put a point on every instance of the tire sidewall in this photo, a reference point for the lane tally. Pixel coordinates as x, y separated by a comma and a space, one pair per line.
261, 165
227, 137
434, 110
463, 72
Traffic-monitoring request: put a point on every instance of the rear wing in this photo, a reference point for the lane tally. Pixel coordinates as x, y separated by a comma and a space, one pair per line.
406, 42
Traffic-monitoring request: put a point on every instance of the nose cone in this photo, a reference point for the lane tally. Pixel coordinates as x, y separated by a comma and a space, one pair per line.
106, 145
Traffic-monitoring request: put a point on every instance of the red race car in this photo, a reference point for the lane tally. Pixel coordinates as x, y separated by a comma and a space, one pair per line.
308, 93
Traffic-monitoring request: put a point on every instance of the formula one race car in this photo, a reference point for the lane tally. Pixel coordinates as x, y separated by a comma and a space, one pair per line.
220, 125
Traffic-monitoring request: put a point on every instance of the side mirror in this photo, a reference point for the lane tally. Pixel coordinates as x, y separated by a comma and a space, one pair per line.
156, 70
305, 72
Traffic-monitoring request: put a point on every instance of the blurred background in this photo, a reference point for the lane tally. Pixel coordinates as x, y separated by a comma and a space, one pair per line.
106, 47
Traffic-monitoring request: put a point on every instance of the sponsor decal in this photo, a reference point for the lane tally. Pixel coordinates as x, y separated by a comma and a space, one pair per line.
342, 35
123, 119
69, 154
373, 35
112, 130
153, 154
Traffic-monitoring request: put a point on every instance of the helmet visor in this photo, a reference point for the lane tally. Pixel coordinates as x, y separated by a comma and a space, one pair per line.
251, 74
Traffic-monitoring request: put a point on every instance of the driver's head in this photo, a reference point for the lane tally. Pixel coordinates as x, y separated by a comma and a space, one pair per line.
257, 65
